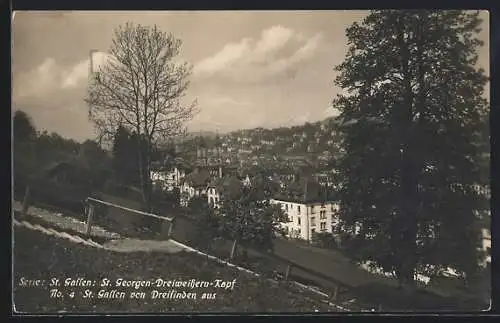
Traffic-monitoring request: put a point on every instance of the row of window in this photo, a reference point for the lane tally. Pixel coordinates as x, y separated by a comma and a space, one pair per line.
322, 228
290, 207
322, 225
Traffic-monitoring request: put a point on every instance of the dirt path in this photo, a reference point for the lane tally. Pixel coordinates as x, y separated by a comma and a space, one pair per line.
65, 222
135, 245
116, 243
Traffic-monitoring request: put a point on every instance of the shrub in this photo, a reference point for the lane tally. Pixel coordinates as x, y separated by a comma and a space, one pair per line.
324, 240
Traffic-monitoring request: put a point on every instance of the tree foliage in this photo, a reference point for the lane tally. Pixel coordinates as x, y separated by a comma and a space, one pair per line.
141, 88
413, 114
23, 127
24, 135
249, 220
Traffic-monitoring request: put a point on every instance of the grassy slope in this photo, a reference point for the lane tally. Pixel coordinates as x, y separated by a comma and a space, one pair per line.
329, 263
38, 256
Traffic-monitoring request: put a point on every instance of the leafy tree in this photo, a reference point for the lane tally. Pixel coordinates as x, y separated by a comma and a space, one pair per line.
124, 156
98, 162
264, 187
247, 219
324, 240
206, 225
23, 127
141, 88
412, 115
24, 136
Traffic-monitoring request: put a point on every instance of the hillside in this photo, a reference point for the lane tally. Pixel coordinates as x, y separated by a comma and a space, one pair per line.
43, 257
320, 138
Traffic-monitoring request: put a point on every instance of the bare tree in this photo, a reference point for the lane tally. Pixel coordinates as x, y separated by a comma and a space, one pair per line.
140, 87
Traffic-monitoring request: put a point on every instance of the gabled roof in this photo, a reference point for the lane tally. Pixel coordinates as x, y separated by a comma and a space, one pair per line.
305, 190
229, 184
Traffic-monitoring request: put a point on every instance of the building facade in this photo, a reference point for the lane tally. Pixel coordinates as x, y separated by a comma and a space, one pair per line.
307, 218
310, 208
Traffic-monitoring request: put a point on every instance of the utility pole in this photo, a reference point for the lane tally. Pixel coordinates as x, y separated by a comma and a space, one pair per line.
89, 83
91, 71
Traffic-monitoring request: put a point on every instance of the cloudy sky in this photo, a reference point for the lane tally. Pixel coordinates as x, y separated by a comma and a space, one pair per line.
249, 68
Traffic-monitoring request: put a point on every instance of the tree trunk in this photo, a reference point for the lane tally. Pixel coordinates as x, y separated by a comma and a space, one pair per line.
407, 228
142, 178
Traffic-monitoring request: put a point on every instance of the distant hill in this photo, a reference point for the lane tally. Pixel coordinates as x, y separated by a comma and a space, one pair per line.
204, 134
320, 136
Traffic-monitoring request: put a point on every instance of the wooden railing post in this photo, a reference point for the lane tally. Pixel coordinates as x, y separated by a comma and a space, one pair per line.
233, 249
335, 293
288, 271
90, 215
26, 201
170, 229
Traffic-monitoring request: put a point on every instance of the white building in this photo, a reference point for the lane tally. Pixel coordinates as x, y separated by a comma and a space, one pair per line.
311, 211
159, 177
194, 184
166, 178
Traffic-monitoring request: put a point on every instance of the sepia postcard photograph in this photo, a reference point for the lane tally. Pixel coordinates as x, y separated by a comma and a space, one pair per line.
251, 162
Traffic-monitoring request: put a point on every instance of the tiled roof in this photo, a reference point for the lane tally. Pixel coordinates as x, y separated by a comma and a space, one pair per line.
305, 191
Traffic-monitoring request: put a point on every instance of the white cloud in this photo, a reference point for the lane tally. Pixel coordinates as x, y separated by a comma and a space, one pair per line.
223, 59
272, 39
277, 51
50, 76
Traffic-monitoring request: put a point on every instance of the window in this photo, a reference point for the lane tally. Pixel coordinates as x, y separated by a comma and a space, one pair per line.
298, 209
291, 207
173, 177
312, 209
313, 221
322, 226
298, 231
286, 207
322, 214
323, 205
298, 220
313, 231
332, 207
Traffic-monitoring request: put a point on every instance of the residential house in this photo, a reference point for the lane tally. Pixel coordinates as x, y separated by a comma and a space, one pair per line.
194, 184
230, 184
170, 178
310, 209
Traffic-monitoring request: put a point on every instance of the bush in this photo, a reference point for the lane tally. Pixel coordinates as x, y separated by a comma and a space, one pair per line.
324, 240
